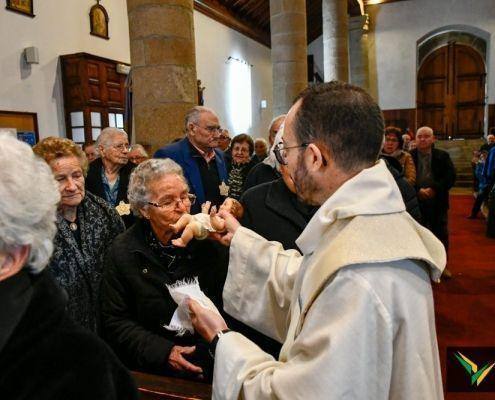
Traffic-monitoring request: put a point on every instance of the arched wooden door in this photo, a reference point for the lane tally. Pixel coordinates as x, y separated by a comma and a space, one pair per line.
451, 92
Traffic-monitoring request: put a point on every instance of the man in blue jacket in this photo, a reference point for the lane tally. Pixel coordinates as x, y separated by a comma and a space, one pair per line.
203, 164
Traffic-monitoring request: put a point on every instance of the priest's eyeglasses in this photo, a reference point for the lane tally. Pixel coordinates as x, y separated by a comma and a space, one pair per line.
281, 152
170, 204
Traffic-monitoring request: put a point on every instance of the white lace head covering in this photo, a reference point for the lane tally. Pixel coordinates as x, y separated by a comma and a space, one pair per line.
271, 160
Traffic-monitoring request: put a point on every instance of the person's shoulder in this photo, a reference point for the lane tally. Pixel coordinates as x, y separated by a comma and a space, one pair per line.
256, 193
439, 153
169, 150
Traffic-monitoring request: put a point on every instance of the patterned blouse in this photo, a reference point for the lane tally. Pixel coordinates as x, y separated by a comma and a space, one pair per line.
78, 256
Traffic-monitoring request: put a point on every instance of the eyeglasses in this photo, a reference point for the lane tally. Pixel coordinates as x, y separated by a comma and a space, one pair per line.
122, 147
170, 204
281, 152
211, 129
394, 140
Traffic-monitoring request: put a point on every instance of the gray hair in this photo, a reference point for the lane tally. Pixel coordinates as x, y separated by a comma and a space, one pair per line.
140, 148
142, 176
276, 119
106, 138
192, 116
28, 202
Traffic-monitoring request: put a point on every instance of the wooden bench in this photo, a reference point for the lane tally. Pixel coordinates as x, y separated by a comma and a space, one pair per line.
155, 387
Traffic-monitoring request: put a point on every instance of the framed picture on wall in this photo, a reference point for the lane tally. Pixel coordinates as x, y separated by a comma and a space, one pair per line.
21, 6
98, 19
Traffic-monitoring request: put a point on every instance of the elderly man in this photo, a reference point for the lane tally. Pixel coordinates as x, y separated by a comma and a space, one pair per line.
355, 312
260, 150
274, 128
43, 354
490, 142
197, 154
435, 175
108, 176
137, 154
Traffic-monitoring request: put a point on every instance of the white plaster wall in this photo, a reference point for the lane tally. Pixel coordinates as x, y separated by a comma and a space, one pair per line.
395, 29
214, 44
60, 27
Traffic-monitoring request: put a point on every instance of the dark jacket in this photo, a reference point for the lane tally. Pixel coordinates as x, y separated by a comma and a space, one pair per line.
95, 185
261, 173
135, 302
48, 357
406, 190
180, 152
78, 267
443, 173
273, 211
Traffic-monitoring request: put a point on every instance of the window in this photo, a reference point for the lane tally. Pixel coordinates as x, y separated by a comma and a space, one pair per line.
239, 95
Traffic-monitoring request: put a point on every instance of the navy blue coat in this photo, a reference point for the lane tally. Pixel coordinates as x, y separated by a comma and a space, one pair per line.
180, 152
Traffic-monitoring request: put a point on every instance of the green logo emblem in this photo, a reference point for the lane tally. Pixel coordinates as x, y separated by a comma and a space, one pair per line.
476, 375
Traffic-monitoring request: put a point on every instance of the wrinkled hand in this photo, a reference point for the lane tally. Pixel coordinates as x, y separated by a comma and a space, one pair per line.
177, 361
206, 322
231, 225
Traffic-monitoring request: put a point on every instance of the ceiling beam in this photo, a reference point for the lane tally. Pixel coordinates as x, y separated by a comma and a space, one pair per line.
217, 11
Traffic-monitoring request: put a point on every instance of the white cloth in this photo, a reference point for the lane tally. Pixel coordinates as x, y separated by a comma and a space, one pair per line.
180, 291
355, 312
271, 160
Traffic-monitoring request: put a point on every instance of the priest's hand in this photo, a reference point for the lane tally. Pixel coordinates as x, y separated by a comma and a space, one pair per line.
177, 361
231, 225
207, 323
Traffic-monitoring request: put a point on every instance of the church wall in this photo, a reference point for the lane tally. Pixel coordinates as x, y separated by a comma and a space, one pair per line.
394, 31
60, 27
214, 44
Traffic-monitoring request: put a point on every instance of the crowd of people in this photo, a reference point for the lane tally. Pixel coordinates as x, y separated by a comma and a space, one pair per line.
315, 298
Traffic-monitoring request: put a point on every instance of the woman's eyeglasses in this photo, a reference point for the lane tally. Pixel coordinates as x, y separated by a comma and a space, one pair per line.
170, 204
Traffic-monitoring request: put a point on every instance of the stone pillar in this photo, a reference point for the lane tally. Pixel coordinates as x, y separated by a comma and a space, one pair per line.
163, 62
358, 51
335, 40
289, 52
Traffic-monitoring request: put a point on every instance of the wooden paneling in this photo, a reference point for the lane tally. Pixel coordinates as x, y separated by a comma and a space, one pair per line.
403, 118
491, 116
154, 387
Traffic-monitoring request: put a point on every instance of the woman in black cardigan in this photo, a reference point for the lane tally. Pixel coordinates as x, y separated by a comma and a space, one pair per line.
135, 301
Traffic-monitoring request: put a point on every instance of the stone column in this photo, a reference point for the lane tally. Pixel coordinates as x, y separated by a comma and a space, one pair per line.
163, 62
358, 51
289, 52
335, 40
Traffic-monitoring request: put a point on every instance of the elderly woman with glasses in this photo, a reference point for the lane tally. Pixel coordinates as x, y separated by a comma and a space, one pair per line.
108, 175
86, 226
242, 148
142, 262
392, 147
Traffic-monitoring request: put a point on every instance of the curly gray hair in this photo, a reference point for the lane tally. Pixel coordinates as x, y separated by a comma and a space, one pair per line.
28, 202
143, 175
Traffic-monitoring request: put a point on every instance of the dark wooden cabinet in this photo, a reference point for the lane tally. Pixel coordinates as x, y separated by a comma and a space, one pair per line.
94, 95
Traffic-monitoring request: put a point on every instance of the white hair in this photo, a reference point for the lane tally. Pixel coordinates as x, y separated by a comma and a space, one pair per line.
28, 202
105, 139
140, 148
192, 116
145, 173
261, 140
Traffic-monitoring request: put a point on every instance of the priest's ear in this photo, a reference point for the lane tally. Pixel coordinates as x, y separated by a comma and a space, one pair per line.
12, 261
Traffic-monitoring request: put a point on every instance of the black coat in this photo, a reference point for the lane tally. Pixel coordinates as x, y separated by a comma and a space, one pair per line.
49, 357
78, 267
260, 173
273, 211
443, 173
135, 302
94, 182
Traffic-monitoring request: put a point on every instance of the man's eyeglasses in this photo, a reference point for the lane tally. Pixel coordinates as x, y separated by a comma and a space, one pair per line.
122, 147
170, 204
211, 129
281, 152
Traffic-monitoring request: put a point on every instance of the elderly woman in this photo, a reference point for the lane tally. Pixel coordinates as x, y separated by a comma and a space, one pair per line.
86, 226
43, 354
392, 147
135, 302
242, 148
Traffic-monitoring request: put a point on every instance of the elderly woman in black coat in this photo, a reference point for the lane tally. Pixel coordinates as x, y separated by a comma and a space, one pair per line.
86, 226
142, 262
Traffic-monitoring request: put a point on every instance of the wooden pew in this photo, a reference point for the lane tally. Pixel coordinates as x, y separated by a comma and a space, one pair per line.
155, 387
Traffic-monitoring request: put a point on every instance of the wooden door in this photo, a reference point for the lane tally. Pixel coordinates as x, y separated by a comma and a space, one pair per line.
451, 92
